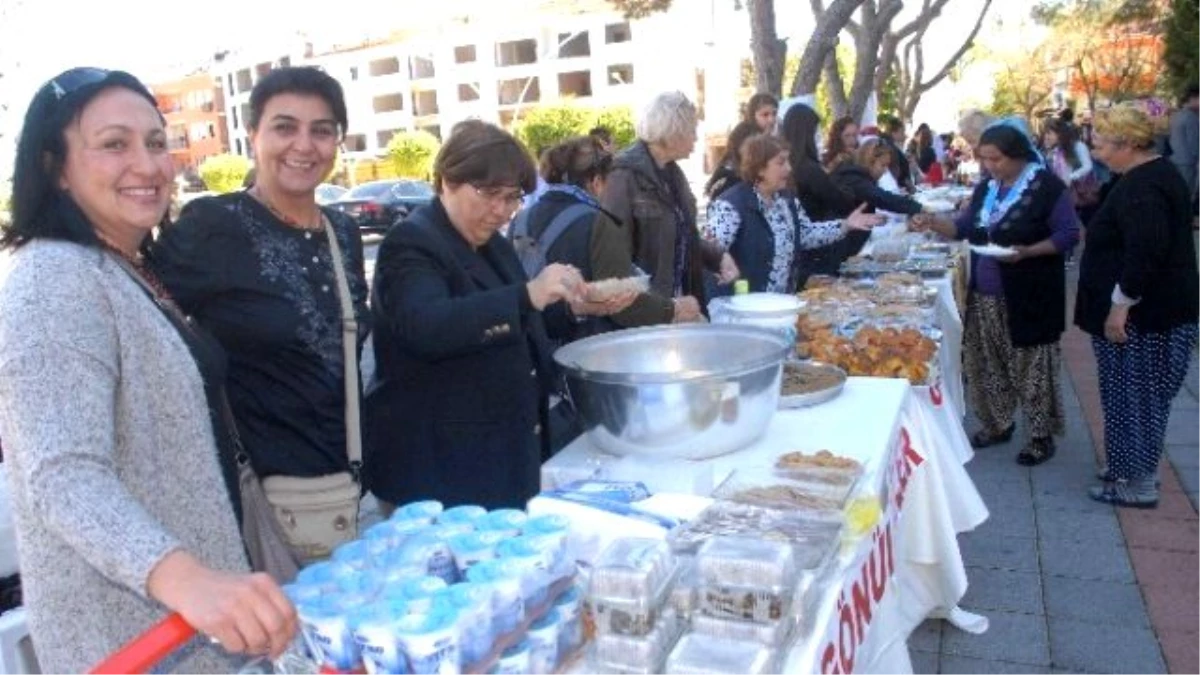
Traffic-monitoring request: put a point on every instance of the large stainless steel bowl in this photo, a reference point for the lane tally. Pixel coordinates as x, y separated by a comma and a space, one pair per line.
690, 391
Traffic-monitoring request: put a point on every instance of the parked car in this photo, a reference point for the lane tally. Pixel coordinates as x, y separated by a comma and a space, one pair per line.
378, 204
327, 193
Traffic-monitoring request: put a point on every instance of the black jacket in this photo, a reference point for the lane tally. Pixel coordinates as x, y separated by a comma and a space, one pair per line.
823, 199
1035, 291
463, 370
1141, 238
858, 182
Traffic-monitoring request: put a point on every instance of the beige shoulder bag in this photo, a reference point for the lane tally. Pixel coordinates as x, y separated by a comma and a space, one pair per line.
317, 514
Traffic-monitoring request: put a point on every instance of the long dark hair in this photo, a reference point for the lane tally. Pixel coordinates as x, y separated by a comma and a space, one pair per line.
836, 151
799, 129
39, 205
1068, 136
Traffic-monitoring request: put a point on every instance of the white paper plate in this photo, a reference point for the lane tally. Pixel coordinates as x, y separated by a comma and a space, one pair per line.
993, 250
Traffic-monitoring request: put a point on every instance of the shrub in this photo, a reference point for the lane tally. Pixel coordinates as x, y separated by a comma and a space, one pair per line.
545, 126
618, 120
412, 153
224, 173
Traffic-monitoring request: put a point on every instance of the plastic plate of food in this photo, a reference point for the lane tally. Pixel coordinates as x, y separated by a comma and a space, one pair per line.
810, 383
993, 250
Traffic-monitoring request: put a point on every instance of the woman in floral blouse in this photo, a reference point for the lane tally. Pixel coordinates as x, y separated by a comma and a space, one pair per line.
762, 225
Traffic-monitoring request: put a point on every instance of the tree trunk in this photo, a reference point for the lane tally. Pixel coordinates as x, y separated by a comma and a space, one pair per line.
875, 23
770, 53
835, 87
830, 22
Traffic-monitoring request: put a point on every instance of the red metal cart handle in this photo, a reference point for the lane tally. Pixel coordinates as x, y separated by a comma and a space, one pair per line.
143, 652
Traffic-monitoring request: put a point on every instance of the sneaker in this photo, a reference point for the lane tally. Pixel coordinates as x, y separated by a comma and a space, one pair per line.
1104, 477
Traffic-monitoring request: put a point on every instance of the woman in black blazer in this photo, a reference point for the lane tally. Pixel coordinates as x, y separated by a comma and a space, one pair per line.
1138, 299
460, 410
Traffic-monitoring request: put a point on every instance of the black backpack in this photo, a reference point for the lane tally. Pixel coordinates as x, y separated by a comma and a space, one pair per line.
532, 251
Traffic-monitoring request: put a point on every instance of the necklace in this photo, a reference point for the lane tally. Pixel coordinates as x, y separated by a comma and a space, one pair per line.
137, 262
287, 220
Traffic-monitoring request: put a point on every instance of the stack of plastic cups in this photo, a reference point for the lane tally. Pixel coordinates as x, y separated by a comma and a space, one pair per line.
374, 629
553, 534
473, 602
535, 575
429, 641
503, 578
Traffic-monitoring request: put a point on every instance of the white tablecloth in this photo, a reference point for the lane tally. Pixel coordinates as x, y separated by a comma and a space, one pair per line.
895, 431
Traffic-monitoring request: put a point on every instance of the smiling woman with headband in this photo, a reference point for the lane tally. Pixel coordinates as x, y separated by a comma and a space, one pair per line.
105, 398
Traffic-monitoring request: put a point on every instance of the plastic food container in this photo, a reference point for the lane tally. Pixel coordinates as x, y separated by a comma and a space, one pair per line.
763, 488
629, 585
685, 593
772, 634
813, 536
614, 653
701, 655
821, 466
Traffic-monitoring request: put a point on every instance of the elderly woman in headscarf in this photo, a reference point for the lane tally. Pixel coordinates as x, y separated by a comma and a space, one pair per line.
1016, 308
648, 192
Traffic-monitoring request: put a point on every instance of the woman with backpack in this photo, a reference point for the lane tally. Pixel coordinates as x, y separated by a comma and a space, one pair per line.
568, 225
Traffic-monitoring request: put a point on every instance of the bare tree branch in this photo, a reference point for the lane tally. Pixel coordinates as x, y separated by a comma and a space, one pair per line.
830, 22
912, 68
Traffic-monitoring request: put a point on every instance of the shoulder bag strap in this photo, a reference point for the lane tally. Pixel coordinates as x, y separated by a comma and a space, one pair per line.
349, 353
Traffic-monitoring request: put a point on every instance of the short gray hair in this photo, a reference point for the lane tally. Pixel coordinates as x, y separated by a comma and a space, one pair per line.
669, 115
972, 124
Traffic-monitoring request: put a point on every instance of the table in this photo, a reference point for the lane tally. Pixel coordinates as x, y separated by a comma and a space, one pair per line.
918, 569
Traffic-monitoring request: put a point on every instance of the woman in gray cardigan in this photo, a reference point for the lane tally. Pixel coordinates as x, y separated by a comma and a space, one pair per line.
120, 508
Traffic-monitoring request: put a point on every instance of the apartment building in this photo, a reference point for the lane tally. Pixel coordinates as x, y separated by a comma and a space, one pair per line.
194, 108
492, 61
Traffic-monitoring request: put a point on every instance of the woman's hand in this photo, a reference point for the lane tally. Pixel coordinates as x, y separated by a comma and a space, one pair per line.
860, 220
555, 282
1019, 253
729, 270
244, 613
618, 303
687, 309
1114, 325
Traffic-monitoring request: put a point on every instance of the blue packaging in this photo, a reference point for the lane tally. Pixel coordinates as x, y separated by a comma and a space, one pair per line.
326, 627
514, 660
367, 582
298, 593
503, 578
374, 629
325, 573
472, 548
543, 644
426, 511
508, 521
416, 594
356, 554
430, 551
473, 602
553, 533
467, 513
570, 627
535, 573
430, 642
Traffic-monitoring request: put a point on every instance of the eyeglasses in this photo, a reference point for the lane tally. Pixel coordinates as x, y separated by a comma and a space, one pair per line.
69, 81
499, 195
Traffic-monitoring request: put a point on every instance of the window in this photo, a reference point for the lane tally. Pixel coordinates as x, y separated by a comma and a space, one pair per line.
617, 32
388, 103
353, 73
212, 131
238, 141
285, 62
199, 131
244, 83
420, 67
229, 79
356, 143
578, 83
261, 70
464, 54
246, 114
574, 44
468, 92
177, 137
384, 136
516, 53
235, 117
436, 130
425, 103
521, 90
386, 66
620, 73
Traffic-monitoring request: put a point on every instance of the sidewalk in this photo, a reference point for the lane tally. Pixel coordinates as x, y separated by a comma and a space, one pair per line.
1068, 584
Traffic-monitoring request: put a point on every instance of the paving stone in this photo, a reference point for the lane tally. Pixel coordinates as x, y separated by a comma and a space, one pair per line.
1096, 648
1086, 560
1069, 501
1166, 534
1062, 478
924, 663
1006, 590
1009, 523
1079, 526
1184, 456
1173, 608
1181, 651
982, 549
1183, 430
1103, 602
1010, 637
927, 637
967, 665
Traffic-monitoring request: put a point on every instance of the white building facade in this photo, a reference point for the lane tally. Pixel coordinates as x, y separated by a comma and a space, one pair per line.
496, 63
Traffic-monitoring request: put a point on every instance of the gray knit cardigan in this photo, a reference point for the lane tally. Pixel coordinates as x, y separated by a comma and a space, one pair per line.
112, 463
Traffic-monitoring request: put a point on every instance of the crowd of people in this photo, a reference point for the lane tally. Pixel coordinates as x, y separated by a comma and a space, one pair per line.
179, 399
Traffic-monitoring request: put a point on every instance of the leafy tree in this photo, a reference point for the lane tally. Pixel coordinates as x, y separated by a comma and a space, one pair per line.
548, 125
619, 121
639, 9
224, 173
412, 153
1181, 33
1024, 83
